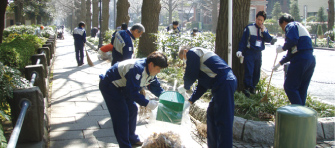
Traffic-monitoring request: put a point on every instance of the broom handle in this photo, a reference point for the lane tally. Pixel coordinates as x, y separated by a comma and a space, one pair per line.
274, 63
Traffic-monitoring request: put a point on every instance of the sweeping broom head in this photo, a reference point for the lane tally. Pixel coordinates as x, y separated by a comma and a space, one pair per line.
89, 59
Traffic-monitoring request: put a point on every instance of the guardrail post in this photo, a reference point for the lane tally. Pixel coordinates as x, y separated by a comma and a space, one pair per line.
51, 49
47, 53
33, 126
43, 61
52, 45
40, 78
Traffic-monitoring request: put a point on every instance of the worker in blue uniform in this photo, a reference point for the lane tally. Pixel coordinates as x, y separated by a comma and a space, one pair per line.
173, 28
120, 88
250, 48
79, 35
299, 48
122, 41
212, 73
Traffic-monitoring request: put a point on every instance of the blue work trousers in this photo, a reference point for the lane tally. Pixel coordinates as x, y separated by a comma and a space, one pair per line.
252, 67
79, 48
299, 74
123, 112
220, 115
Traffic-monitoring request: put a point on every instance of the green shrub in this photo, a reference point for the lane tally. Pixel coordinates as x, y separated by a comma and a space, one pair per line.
17, 52
9, 80
22, 29
108, 36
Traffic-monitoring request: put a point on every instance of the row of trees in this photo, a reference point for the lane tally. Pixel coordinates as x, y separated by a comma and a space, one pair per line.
294, 11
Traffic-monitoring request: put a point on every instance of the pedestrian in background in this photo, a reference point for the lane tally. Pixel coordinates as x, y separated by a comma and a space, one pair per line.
123, 42
212, 73
250, 48
174, 28
298, 44
120, 88
79, 35
38, 31
94, 31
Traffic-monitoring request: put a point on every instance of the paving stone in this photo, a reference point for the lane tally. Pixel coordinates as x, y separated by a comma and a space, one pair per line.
238, 127
70, 120
99, 113
259, 132
89, 106
105, 123
107, 132
75, 126
65, 135
75, 143
60, 104
105, 142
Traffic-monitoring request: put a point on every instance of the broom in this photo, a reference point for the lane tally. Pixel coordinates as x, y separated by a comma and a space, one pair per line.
265, 98
88, 58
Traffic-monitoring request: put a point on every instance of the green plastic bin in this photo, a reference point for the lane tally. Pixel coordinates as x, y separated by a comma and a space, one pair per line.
296, 127
170, 107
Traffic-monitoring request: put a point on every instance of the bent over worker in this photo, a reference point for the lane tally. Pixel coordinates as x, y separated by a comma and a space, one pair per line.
123, 42
213, 73
299, 48
251, 45
120, 88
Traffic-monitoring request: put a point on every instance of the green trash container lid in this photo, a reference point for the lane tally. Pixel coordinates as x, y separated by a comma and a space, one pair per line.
296, 110
172, 96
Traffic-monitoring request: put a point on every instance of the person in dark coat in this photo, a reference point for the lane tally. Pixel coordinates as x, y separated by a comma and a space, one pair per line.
79, 35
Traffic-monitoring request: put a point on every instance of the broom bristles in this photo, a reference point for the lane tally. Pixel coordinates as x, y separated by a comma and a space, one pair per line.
88, 59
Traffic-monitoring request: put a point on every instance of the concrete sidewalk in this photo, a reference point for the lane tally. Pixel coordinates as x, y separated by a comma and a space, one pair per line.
78, 113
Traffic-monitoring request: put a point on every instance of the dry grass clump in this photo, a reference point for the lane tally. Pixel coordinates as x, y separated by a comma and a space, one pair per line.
163, 140
202, 130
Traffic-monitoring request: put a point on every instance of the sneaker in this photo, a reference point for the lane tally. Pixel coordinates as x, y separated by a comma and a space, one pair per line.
246, 93
252, 90
138, 143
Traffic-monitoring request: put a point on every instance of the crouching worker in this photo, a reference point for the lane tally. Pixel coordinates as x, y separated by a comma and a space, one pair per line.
120, 88
213, 73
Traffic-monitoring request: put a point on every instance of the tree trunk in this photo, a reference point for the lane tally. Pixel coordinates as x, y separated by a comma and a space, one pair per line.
240, 20
77, 12
95, 17
214, 14
18, 8
150, 20
3, 5
122, 12
170, 11
105, 17
331, 16
88, 18
83, 11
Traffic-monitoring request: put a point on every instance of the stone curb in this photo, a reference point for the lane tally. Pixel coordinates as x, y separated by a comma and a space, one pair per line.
261, 131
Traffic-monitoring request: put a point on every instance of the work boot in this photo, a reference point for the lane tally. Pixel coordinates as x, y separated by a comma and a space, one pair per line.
252, 90
138, 143
246, 92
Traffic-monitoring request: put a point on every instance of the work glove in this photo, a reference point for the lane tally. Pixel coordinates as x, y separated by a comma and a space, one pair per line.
187, 104
279, 49
181, 89
239, 54
275, 68
152, 104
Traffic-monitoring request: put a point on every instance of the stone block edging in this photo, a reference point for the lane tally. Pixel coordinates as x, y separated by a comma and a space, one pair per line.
261, 131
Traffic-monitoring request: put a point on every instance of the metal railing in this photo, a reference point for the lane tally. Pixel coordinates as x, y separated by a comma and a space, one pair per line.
17, 129
25, 104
